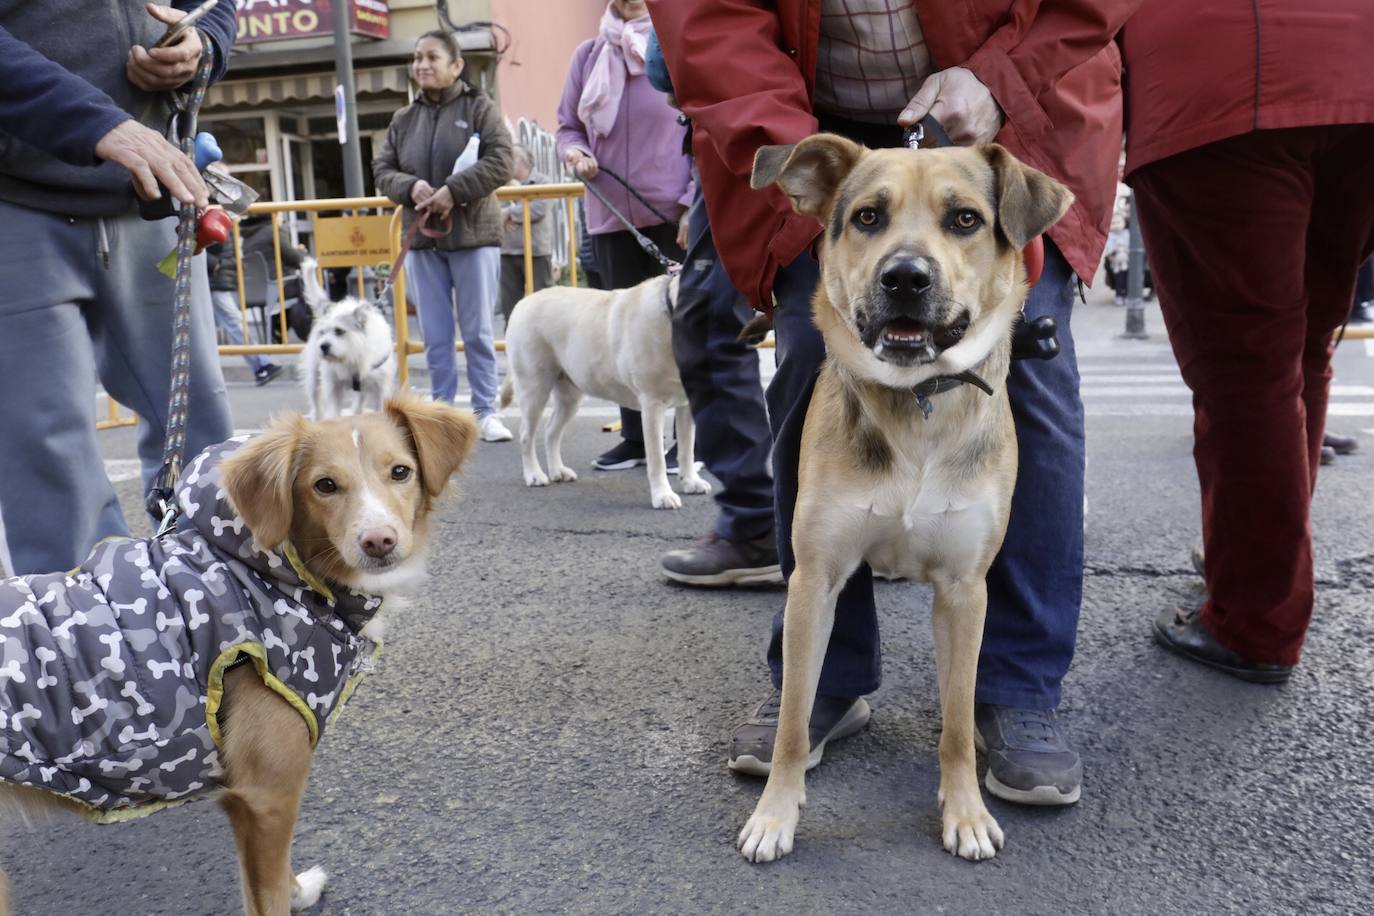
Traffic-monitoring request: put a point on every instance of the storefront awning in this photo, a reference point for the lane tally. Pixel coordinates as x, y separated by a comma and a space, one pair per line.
306, 87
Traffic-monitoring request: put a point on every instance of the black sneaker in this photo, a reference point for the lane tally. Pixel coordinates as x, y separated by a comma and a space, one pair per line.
1029, 759
624, 456
628, 455
266, 374
714, 561
832, 718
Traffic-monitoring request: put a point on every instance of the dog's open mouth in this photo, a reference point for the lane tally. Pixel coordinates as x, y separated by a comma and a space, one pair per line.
915, 340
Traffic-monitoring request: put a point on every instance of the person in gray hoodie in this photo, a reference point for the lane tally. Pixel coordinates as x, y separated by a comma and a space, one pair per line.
84, 100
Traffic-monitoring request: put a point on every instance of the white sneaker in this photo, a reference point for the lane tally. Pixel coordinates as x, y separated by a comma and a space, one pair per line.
493, 430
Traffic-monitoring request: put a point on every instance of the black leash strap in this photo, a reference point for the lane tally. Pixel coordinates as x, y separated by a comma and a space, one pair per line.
644, 241
638, 196
161, 502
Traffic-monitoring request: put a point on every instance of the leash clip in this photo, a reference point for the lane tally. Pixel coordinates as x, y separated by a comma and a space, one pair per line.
912, 136
168, 513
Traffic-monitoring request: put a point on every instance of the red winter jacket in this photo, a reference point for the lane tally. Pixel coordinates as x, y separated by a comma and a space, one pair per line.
1204, 70
744, 72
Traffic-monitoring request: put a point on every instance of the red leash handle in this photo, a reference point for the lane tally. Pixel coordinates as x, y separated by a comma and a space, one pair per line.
1034, 254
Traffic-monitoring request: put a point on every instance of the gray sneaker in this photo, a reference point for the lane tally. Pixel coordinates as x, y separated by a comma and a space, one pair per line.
1029, 758
832, 718
714, 562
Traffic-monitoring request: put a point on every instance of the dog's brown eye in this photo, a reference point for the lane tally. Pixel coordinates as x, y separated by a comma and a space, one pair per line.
400, 472
326, 486
967, 220
866, 216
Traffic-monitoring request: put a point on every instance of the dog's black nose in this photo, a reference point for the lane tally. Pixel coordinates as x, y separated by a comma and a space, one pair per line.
378, 542
324, 347
906, 277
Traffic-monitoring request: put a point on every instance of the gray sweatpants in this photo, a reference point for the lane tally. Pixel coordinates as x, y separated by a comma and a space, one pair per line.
67, 321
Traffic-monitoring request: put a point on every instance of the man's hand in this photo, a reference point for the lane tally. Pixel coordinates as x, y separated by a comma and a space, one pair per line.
169, 67
151, 158
583, 164
961, 103
420, 192
682, 229
440, 202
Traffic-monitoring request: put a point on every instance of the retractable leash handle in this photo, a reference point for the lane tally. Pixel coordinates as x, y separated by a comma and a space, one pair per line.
1034, 339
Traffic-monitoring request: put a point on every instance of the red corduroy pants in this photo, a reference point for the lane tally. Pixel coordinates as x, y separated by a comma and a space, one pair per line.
1254, 243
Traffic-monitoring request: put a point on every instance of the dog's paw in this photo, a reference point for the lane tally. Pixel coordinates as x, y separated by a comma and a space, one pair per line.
695, 485
536, 479
970, 832
562, 475
309, 885
766, 836
666, 499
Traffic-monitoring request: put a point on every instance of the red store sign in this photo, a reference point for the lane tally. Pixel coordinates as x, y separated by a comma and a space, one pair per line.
275, 20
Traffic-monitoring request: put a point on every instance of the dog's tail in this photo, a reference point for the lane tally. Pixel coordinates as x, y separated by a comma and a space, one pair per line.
507, 393
314, 295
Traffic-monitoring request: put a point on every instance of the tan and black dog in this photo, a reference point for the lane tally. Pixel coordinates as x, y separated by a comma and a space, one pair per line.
908, 454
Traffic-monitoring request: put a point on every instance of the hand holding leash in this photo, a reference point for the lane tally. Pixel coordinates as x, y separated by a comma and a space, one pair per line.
958, 100
152, 160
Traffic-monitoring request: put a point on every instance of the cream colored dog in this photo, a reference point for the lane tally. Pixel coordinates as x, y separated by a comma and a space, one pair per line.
615, 345
908, 453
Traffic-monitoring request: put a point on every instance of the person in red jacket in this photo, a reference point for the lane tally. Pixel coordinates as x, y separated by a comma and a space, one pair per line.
1041, 78
1251, 153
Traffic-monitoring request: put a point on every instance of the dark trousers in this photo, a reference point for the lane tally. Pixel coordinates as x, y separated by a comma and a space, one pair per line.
721, 376
513, 279
1035, 585
1255, 346
622, 264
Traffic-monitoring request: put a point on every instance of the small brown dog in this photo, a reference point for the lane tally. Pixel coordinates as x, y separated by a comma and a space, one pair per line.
211, 659
908, 453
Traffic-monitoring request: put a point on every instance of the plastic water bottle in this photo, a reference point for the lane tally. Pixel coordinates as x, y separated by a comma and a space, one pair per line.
468, 157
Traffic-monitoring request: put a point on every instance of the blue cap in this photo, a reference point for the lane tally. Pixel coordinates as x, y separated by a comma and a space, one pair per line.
654, 66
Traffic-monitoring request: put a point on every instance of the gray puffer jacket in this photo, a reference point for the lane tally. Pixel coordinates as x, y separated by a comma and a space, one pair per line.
112, 675
424, 142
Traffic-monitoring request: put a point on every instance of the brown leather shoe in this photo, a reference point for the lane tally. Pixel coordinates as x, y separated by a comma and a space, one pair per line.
1180, 630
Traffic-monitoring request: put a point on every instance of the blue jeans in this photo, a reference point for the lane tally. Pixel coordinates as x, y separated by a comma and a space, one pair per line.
1035, 585
721, 376
474, 275
228, 319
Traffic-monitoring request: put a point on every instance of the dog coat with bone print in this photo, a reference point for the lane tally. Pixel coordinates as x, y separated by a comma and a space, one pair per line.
111, 675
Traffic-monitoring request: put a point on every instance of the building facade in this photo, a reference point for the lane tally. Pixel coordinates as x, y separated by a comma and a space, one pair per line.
274, 114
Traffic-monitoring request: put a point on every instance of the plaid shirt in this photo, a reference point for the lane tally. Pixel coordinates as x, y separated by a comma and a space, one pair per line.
872, 58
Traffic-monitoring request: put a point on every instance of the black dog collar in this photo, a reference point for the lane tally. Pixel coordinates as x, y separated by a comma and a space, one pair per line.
943, 383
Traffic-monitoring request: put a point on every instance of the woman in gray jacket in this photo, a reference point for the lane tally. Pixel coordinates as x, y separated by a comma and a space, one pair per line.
447, 153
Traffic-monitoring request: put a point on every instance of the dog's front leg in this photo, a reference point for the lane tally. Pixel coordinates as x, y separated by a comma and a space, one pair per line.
660, 493
960, 606
267, 762
807, 621
692, 482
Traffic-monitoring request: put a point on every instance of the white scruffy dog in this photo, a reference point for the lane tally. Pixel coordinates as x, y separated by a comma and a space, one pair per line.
350, 352
616, 345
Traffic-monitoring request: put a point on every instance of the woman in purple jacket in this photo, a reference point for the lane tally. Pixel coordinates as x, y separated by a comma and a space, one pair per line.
611, 118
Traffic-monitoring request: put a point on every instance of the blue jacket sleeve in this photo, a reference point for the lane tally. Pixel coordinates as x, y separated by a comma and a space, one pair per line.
47, 106
221, 26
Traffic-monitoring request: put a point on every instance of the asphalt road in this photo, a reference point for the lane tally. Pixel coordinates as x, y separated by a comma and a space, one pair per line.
547, 731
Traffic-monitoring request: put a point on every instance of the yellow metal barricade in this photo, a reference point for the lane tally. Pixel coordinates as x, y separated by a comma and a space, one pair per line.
354, 239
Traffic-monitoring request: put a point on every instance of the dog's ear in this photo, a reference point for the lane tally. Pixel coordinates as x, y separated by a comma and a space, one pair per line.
359, 317
809, 172
444, 436
259, 477
1028, 200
